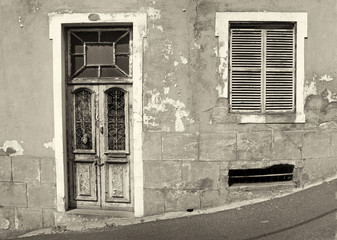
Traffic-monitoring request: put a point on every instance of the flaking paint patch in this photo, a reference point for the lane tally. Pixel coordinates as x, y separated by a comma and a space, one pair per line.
332, 96
152, 13
160, 28
222, 90
175, 63
310, 89
326, 77
13, 145
166, 90
215, 50
50, 144
4, 224
160, 104
167, 50
197, 45
183, 60
222, 65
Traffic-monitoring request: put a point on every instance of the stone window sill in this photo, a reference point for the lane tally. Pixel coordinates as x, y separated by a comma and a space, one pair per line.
272, 118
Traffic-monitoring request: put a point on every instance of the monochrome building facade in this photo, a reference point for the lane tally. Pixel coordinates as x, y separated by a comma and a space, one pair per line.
148, 107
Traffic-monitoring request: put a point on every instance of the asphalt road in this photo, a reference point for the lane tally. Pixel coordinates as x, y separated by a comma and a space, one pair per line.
307, 215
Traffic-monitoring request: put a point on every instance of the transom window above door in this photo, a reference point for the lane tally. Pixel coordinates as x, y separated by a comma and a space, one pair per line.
99, 53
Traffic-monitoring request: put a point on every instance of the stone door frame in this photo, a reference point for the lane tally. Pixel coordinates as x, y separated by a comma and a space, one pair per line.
57, 22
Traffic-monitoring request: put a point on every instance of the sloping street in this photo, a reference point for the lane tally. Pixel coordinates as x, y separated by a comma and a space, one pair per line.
307, 215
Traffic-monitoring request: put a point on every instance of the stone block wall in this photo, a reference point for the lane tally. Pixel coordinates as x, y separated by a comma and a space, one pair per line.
28, 190
190, 170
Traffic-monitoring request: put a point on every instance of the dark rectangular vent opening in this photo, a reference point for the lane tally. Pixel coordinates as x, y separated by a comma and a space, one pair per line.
275, 173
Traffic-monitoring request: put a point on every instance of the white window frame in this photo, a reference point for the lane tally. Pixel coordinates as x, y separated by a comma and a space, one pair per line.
222, 24
57, 22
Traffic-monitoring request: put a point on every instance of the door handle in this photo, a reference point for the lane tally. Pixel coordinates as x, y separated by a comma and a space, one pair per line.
101, 128
100, 164
97, 163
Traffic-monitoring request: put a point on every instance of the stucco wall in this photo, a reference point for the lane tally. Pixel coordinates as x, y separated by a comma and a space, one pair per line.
189, 140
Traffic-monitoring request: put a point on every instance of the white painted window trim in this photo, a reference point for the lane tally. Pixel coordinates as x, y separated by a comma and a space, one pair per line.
57, 21
222, 31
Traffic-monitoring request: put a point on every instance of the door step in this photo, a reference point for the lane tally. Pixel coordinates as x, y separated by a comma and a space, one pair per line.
84, 219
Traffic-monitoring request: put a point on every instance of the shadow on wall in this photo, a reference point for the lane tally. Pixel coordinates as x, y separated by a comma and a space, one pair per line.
319, 110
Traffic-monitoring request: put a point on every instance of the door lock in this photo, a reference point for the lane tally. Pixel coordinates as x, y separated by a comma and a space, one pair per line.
99, 164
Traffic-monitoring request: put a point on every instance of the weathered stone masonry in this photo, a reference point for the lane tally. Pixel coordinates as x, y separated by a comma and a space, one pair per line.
27, 187
189, 170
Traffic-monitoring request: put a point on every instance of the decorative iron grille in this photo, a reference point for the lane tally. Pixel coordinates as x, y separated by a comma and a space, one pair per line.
83, 120
116, 119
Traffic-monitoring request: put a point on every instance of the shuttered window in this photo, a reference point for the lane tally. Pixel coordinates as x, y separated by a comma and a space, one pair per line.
262, 68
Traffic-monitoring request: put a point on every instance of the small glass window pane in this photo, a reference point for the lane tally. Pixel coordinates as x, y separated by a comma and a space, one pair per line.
110, 72
122, 46
111, 36
88, 36
123, 63
76, 63
88, 72
76, 45
100, 54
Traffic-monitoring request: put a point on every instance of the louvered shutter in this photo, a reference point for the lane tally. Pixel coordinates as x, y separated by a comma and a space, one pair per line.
246, 70
280, 70
262, 70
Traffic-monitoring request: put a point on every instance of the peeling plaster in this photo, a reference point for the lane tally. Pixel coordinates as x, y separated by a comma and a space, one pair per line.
167, 50
183, 60
50, 144
332, 96
150, 121
12, 147
215, 50
310, 89
152, 13
222, 90
197, 45
160, 28
326, 77
4, 224
161, 104
166, 90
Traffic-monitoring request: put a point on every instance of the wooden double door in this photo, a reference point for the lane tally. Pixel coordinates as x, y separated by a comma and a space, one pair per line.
99, 156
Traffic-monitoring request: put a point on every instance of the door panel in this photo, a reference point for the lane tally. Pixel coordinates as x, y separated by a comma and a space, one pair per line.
85, 185
114, 144
98, 145
117, 187
83, 147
